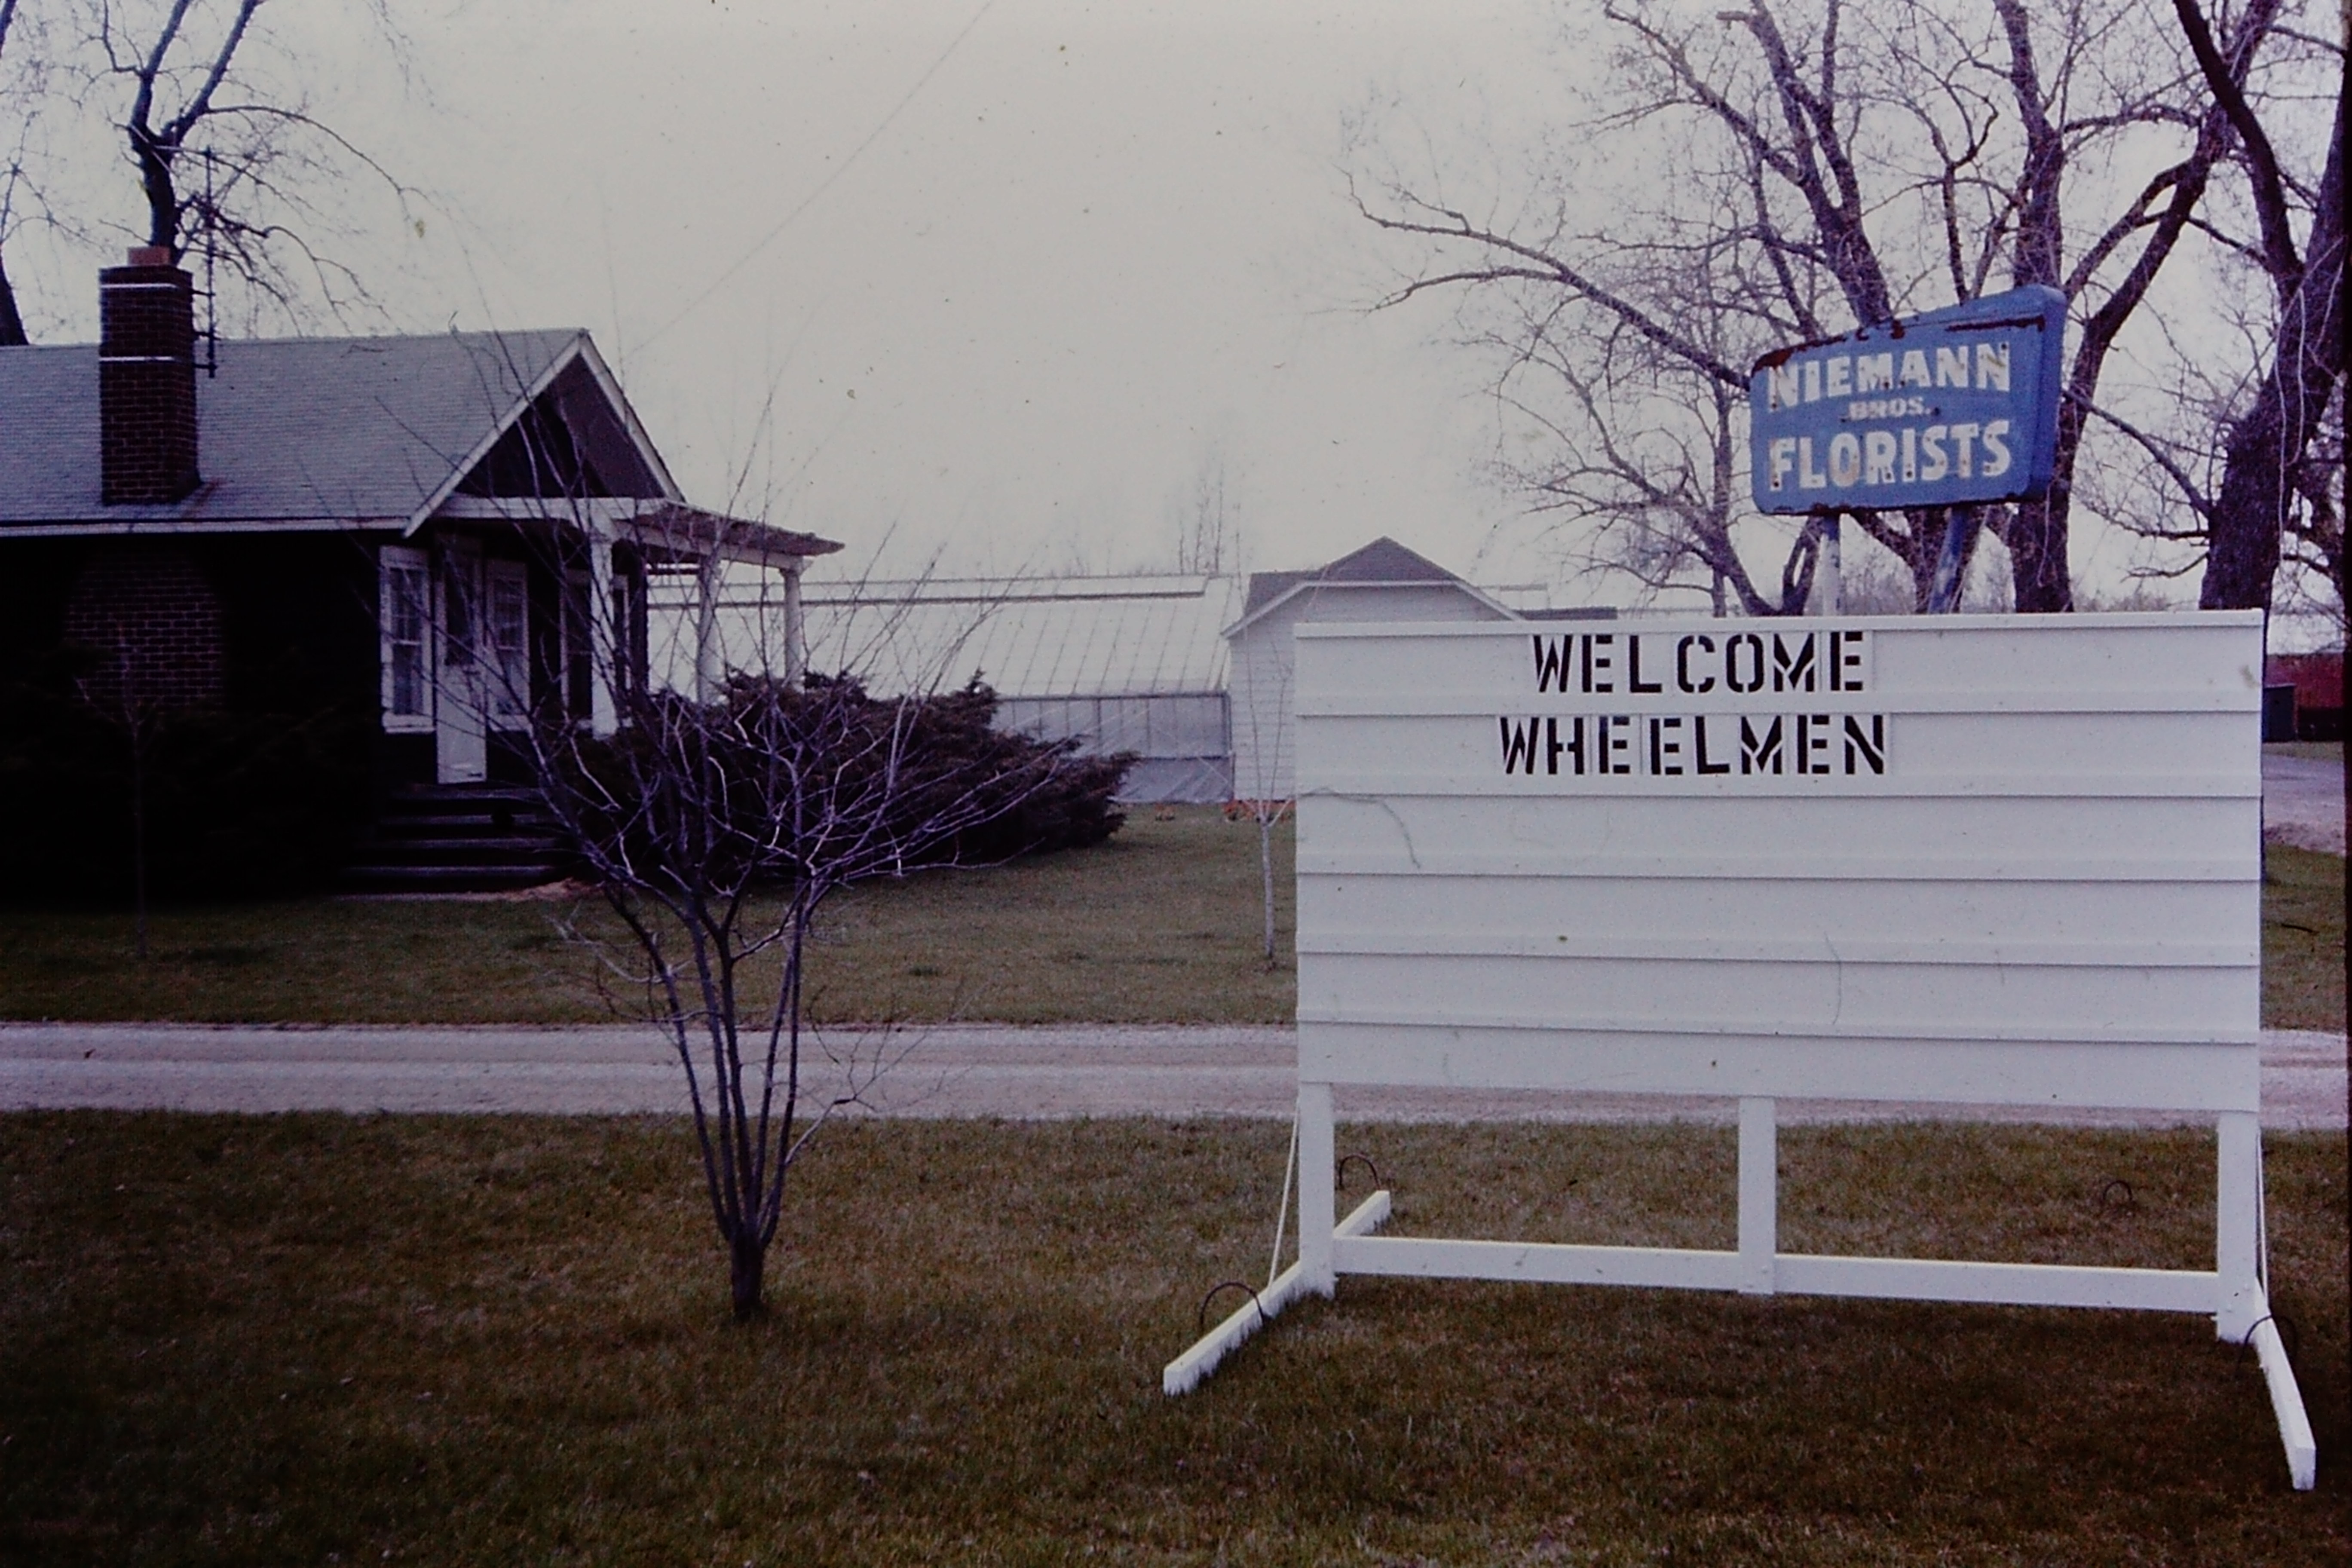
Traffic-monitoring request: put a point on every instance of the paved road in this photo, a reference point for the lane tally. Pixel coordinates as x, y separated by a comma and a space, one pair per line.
959, 1071
2303, 801
956, 1070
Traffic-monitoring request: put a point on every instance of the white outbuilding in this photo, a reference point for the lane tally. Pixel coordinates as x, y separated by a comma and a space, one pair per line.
1381, 582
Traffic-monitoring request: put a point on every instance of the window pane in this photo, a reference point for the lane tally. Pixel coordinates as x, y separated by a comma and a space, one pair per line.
408, 679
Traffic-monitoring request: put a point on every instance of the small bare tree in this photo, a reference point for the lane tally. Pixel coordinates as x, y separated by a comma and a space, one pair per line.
122, 700
719, 812
717, 831
1258, 689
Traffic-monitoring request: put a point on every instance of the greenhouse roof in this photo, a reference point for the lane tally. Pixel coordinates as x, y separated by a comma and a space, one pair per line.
1063, 637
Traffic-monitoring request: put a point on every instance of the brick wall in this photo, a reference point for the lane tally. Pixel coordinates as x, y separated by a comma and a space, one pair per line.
150, 627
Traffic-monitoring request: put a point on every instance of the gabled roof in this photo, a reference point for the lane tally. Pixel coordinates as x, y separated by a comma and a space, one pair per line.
1383, 563
320, 432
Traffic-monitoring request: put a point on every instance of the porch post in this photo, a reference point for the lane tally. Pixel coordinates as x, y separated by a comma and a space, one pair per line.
608, 633
706, 663
795, 634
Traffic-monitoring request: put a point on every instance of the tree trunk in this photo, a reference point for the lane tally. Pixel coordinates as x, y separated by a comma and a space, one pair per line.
2039, 574
12, 325
747, 1273
2267, 443
1265, 870
138, 841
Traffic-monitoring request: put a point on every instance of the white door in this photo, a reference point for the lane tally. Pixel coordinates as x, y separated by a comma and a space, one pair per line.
461, 752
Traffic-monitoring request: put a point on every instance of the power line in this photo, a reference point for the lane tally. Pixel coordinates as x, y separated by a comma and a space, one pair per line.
825, 185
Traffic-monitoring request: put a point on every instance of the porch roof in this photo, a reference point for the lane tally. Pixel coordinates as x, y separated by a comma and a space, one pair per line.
675, 534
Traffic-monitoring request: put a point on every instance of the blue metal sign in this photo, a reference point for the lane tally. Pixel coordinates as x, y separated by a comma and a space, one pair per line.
1952, 407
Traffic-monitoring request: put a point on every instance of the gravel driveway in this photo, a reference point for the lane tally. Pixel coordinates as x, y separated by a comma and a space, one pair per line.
951, 1070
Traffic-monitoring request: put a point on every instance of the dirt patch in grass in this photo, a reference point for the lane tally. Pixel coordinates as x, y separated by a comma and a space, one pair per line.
503, 1340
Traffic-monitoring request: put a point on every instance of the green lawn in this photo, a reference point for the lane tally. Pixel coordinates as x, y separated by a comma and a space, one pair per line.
504, 1339
1159, 925
2303, 939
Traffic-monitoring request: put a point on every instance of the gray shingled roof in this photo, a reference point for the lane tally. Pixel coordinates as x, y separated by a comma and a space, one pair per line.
338, 431
1384, 560
1381, 561
1049, 637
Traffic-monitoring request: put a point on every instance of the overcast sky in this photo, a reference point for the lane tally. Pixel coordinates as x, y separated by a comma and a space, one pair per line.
992, 281
1011, 272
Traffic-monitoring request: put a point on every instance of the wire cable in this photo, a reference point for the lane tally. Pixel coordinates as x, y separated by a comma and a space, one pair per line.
1282, 1210
825, 185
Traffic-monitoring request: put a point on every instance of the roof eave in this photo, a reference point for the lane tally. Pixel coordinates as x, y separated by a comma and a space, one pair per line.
1296, 589
481, 448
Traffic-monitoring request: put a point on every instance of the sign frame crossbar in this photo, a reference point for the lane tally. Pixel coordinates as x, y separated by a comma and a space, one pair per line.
2231, 1293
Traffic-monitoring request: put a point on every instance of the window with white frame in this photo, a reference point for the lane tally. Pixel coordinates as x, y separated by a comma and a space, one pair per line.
404, 621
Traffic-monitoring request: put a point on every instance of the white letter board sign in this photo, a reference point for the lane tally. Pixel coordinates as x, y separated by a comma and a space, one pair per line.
1984, 858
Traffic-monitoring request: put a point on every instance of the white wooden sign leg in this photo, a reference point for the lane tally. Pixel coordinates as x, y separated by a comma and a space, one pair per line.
2237, 1222
2243, 1315
1759, 1195
1315, 1271
1316, 1179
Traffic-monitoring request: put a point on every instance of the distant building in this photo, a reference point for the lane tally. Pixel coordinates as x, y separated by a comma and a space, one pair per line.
1121, 664
1191, 673
1381, 582
2305, 656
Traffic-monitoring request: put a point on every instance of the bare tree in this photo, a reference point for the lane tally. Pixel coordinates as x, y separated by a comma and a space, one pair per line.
23, 94
717, 833
123, 702
1823, 166
1208, 518
228, 152
2265, 472
256, 195
1258, 693
718, 823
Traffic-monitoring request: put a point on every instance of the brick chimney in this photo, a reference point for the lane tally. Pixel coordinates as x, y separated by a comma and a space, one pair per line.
146, 381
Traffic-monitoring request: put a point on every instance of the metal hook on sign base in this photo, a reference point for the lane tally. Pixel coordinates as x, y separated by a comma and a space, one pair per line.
1312, 1270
